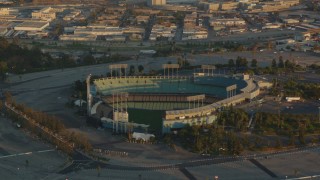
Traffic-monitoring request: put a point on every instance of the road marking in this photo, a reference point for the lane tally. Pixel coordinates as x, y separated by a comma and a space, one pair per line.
49, 150
27, 153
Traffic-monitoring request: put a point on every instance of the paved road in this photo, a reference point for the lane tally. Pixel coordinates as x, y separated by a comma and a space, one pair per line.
187, 173
262, 167
83, 162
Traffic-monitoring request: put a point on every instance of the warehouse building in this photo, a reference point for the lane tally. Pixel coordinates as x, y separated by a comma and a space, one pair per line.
31, 26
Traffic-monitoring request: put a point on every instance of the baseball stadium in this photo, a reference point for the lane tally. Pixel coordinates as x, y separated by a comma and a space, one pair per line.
161, 104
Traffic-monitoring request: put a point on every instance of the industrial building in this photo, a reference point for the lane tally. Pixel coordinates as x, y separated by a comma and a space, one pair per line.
156, 2
195, 32
78, 37
9, 12
6, 2
31, 26
227, 22
163, 31
44, 14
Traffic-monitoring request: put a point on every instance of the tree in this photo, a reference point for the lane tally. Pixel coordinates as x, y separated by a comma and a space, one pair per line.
140, 68
241, 48
89, 60
3, 69
180, 62
65, 61
274, 63
132, 70
183, 62
254, 49
231, 63
241, 62
292, 140
302, 134
278, 143
288, 64
280, 63
238, 147
8, 97
58, 30
4, 44
269, 45
254, 63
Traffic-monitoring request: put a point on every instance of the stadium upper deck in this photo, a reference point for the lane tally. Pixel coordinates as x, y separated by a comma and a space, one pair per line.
185, 85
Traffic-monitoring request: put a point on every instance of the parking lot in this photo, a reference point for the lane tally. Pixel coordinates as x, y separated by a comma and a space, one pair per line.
24, 157
49, 91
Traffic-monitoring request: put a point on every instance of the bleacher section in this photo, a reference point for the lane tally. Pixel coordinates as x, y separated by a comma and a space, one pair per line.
106, 85
145, 84
220, 81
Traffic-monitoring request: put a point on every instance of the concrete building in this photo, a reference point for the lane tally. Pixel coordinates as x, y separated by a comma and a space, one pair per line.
227, 22
190, 18
272, 26
98, 30
275, 5
31, 26
302, 36
227, 6
290, 21
9, 12
134, 33
142, 19
72, 15
78, 37
209, 6
44, 14
6, 2
156, 2
145, 11
193, 33
159, 30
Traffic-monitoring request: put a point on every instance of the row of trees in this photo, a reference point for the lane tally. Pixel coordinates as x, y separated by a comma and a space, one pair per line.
235, 118
16, 59
291, 87
243, 62
210, 140
282, 64
290, 125
240, 62
51, 127
308, 90
228, 135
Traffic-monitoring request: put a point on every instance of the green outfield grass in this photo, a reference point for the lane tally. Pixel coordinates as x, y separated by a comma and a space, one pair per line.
150, 117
